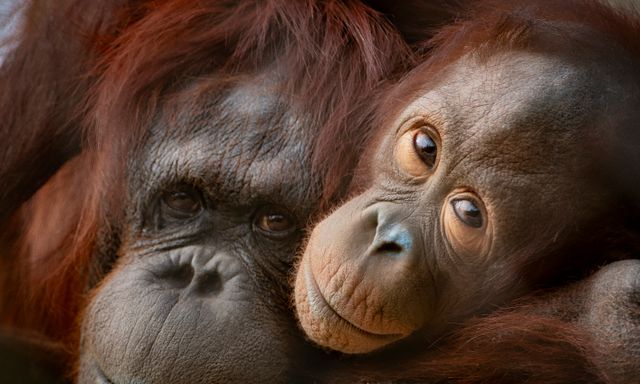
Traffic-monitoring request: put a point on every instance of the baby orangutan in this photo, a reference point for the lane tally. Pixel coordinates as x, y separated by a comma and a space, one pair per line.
490, 178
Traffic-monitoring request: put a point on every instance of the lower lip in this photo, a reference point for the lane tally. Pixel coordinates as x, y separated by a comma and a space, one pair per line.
318, 304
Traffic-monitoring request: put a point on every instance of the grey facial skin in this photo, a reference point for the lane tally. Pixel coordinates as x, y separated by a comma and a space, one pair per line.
200, 298
516, 135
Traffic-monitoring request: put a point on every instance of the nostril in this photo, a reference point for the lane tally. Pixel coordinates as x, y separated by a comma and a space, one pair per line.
393, 240
208, 283
179, 276
389, 247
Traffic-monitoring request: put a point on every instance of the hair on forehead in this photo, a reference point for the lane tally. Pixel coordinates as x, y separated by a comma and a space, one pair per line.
494, 25
568, 28
329, 56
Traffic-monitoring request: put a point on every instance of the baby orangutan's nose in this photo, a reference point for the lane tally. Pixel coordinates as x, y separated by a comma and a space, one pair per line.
392, 237
360, 286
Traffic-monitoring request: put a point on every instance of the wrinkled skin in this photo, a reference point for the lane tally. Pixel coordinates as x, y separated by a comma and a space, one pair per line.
211, 277
200, 276
263, 334
481, 219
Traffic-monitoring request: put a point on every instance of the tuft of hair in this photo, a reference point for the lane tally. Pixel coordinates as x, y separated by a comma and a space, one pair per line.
334, 54
509, 347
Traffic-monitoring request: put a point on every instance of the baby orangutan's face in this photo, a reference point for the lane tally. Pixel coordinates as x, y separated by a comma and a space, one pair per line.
479, 179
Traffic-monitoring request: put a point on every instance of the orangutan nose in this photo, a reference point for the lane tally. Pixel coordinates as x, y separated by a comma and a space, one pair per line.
201, 282
392, 237
196, 273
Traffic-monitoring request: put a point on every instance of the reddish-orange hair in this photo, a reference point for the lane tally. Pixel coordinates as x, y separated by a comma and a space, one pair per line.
489, 26
334, 54
509, 347
515, 345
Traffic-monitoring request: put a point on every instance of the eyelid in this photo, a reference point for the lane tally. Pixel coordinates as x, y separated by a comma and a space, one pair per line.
419, 118
411, 123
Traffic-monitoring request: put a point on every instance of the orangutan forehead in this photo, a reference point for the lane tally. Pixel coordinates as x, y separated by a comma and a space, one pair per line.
513, 119
242, 138
529, 98
506, 85
245, 108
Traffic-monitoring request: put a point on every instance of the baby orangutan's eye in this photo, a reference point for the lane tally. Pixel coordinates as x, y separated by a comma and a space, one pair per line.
465, 223
417, 151
467, 212
426, 148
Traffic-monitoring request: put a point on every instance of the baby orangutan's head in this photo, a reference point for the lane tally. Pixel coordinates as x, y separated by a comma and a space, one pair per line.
478, 185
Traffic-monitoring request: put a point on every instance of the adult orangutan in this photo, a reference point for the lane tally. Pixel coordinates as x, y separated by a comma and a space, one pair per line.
507, 162
209, 132
48, 74
214, 131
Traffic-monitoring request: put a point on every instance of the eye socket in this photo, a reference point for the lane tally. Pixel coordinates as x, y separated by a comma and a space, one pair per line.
466, 225
468, 212
416, 152
274, 222
182, 202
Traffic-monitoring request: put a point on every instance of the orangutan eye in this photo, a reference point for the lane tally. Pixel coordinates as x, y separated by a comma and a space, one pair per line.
425, 147
416, 152
273, 221
467, 225
468, 212
182, 202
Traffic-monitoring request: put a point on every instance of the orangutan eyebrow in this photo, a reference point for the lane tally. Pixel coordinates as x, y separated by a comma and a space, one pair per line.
275, 172
431, 109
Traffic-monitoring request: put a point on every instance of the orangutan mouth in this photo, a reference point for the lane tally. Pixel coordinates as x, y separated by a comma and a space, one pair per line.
320, 306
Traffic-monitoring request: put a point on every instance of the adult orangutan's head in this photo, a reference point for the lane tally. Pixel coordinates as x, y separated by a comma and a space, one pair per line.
213, 141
